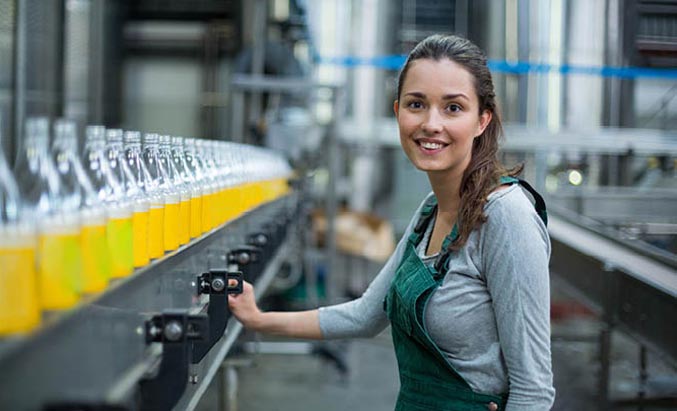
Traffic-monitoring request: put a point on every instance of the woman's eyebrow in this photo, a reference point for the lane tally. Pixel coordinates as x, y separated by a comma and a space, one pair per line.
453, 96
415, 94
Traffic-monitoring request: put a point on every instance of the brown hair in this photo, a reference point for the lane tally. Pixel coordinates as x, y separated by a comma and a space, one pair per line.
482, 175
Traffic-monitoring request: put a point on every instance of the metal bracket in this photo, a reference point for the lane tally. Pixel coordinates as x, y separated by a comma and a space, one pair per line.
247, 258
216, 284
175, 330
244, 255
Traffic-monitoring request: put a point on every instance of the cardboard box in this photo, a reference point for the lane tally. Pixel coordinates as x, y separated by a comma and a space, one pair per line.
359, 234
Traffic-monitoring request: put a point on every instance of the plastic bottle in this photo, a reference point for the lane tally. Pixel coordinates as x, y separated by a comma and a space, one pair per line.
204, 150
143, 179
130, 196
179, 186
19, 305
163, 188
59, 261
178, 153
197, 225
96, 263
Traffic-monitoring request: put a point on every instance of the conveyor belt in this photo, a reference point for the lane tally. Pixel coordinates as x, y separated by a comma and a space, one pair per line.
96, 353
629, 289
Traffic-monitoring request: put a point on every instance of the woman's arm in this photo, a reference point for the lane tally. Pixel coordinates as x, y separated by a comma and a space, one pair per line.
515, 254
362, 317
295, 324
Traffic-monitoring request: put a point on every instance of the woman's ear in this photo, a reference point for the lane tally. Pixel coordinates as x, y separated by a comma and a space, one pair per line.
485, 119
396, 107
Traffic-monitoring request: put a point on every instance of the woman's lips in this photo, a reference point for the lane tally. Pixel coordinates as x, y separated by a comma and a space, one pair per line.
430, 146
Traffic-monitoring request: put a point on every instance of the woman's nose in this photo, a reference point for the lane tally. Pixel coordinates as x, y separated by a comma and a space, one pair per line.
432, 123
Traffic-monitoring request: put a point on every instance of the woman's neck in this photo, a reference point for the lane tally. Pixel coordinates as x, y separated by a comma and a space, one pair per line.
447, 189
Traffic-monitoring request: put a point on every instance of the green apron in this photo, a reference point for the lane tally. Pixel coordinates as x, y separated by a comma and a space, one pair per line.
428, 382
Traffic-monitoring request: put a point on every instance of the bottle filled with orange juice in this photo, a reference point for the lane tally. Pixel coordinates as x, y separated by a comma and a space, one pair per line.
54, 207
96, 264
200, 192
203, 155
156, 201
19, 305
179, 186
163, 189
126, 194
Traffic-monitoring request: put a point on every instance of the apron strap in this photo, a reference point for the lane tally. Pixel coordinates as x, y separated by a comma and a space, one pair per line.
427, 214
443, 258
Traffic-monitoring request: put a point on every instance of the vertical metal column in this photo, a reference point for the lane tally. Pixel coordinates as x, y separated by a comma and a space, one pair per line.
331, 281
523, 55
258, 58
38, 88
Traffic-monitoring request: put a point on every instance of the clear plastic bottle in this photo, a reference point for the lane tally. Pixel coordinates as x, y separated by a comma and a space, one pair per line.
204, 150
59, 260
131, 196
209, 207
178, 153
225, 164
197, 225
96, 264
171, 198
19, 305
143, 179
179, 186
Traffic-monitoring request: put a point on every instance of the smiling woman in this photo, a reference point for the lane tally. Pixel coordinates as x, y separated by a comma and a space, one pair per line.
466, 292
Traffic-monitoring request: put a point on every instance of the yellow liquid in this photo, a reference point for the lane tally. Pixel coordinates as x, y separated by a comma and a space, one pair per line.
96, 262
184, 222
156, 232
171, 233
230, 203
207, 212
120, 243
140, 238
59, 270
195, 217
217, 212
246, 196
19, 306
240, 206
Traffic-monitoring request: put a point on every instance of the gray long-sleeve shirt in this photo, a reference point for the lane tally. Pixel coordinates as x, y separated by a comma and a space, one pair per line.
490, 317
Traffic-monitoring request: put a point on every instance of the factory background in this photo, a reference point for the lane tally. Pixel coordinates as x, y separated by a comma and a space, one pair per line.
289, 104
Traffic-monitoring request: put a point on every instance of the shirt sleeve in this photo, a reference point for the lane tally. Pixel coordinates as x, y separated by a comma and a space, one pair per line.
515, 254
364, 316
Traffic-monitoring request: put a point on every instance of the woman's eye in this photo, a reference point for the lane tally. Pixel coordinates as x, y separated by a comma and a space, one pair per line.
415, 104
454, 108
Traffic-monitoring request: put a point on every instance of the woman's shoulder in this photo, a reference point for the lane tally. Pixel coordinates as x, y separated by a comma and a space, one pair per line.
509, 201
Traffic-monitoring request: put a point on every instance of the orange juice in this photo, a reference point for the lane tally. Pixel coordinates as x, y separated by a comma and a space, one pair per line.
184, 221
120, 242
156, 219
96, 262
195, 216
140, 228
171, 225
207, 201
59, 267
19, 305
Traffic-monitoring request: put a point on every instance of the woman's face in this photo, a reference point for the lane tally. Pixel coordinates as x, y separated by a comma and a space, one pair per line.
438, 116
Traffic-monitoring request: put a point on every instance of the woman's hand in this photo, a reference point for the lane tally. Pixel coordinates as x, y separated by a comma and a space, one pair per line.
243, 306
295, 324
